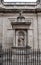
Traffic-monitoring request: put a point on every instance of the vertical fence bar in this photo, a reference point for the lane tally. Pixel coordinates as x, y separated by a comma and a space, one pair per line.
39, 56
16, 58
8, 51
17, 55
5, 56
9, 56
26, 55
36, 53
35, 57
20, 57
2, 59
31, 58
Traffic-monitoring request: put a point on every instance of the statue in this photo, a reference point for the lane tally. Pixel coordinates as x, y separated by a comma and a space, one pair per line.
21, 39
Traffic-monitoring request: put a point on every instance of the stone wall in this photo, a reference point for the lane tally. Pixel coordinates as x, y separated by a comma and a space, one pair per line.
7, 35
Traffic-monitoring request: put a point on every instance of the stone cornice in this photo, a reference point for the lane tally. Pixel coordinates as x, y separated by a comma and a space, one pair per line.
17, 10
19, 3
20, 25
27, 7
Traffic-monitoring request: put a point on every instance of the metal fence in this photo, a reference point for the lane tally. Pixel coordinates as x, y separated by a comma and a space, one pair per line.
20, 56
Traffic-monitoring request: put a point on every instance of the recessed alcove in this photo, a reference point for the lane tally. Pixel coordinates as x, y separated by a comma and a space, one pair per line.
20, 33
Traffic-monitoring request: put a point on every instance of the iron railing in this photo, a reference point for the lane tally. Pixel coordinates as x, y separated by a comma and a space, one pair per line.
20, 56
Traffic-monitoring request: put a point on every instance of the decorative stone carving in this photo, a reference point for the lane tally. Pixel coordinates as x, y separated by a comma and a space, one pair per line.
20, 33
21, 38
20, 18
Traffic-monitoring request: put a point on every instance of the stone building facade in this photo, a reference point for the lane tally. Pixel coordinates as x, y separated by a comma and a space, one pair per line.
28, 29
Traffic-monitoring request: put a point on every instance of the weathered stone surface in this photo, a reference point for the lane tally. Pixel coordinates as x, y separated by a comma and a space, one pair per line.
10, 13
